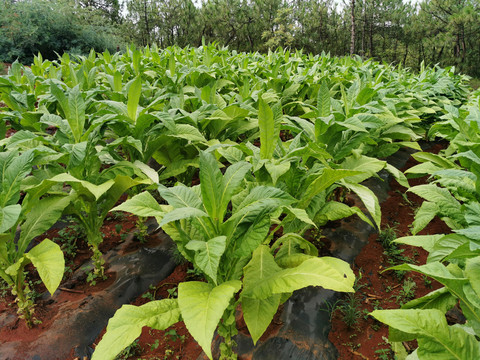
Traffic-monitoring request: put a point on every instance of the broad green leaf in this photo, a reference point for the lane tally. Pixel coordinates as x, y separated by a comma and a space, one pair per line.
147, 170
76, 118
301, 215
436, 340
398, 175
323, 100
127, 323
47, 257
121, 184
322, 182
208, 255
9, 216
367, 167
447, 246
134, 93
266, 123
334, 210
231, 181
369, 200
328, 272
472, 271
292, 245
472, 232
45, 213
13, 169
182, 213
276, 170
202, 306
261, 267
96, 190
61, 98
259, 199
426, 242
427, 211
188, 132
181, 196
258, 314
142, 204
437, 195
454, 280
211, 185
440, 299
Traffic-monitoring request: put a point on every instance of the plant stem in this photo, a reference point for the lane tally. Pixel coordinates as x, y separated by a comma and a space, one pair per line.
25, 306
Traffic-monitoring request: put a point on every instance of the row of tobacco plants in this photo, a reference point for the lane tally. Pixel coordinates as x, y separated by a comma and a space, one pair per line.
273, 143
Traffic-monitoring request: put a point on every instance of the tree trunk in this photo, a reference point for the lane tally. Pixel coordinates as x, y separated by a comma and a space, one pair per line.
147, 29
352, 34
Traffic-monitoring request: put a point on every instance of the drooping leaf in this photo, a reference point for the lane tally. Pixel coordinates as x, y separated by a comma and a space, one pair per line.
427, 211
127, 323
258, 314
202, 306
436, 340
143, 204
330, 273
322, 182
47, 257
45, 213
369, 200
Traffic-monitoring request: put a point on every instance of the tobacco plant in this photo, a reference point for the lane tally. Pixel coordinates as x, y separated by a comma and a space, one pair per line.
454, 259
232, 249
33, 216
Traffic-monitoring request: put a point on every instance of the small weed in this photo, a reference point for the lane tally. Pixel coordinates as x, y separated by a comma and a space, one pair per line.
118, 228
384, 354
427, 281
405, 197
330, 308
173, 335
68, 237
408, 289
350, 309
177, 256
117, 216
142, 233
317, 236
131, 350
155, 345
407, 292
172, 293
4, 289
150, 296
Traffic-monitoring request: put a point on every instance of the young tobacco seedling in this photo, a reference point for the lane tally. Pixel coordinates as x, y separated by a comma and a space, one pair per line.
234, 255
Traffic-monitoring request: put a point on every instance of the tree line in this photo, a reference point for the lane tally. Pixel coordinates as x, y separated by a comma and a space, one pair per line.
445, 32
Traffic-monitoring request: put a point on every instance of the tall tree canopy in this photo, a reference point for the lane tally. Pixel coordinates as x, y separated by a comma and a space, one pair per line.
430, 31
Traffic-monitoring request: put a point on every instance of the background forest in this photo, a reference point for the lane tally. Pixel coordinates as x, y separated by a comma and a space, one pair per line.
445, 32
